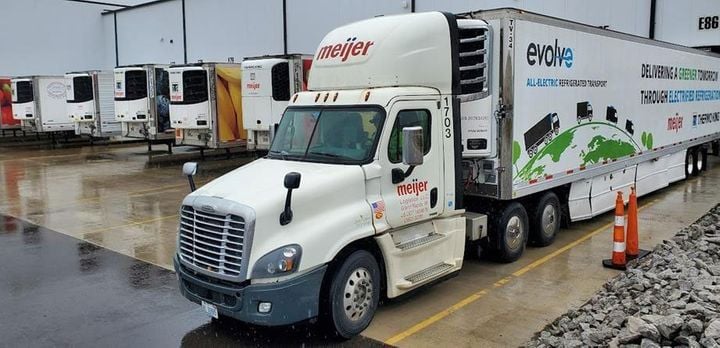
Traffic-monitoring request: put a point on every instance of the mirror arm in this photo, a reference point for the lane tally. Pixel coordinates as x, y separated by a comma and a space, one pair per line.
287, 214
399, 176
192, 183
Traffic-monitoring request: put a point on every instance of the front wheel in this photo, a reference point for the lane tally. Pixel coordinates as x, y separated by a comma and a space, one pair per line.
511, 232
354, 294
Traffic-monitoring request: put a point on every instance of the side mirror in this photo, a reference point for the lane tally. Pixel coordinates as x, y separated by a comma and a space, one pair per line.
412, 146
291, 182
189, 170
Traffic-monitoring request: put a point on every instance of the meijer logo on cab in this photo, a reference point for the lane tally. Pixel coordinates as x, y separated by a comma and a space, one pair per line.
350, 48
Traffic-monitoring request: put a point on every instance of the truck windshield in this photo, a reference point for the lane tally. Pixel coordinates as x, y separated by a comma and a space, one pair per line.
328, 135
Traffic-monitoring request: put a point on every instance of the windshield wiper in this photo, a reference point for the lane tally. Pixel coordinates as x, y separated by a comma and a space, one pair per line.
325, 154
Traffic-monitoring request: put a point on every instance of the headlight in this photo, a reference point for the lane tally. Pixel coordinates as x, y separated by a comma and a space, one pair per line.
281, 261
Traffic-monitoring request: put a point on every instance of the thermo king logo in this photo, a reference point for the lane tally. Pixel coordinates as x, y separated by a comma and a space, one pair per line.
350, 48
550, 55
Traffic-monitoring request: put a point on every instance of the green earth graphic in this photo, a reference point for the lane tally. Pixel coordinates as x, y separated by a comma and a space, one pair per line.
609, 142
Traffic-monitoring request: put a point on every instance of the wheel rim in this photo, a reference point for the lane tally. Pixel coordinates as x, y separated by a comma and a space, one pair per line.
700, 162
549, 220
513, 232
689, 166
358, 294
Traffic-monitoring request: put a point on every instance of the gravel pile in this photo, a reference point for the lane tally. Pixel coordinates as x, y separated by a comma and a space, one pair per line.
669, 298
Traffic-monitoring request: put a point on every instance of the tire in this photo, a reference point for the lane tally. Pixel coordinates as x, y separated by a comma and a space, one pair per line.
354, 293
700, 160
545, 222
511, 232
690, 162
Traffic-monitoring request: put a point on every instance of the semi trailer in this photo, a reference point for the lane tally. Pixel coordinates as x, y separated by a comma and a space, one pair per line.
270, 81
90, 103
406, 151
142, 102
39, 103
205, 105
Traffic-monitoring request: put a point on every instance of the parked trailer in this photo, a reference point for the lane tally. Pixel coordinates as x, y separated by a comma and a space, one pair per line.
39, 103
90, 103
142, 102
270, 81
206, 106
406, 150
7, 121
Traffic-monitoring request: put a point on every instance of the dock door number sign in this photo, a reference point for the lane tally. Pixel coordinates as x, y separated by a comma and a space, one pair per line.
708, 22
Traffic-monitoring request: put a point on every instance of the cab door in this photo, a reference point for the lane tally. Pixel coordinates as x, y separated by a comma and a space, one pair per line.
418, 196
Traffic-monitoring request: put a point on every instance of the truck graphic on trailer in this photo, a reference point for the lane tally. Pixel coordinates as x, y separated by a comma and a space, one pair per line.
541, 132
584, 111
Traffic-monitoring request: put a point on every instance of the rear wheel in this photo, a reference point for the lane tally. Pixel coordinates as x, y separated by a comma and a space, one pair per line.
690, 162
511, 232
700, 160
354, 294
545, 222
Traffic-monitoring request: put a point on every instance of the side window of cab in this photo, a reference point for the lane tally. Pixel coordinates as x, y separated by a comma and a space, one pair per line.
408, 118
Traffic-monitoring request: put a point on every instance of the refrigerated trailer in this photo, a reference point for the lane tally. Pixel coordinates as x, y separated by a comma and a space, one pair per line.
90, 103
142, 102
39, 103
270, 81
205, 105
407, 149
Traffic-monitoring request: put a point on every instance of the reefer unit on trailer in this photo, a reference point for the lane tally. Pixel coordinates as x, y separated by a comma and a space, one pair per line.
423, 134
269, 82
90, 103
7, 122
205, 105
142, 101
39, 103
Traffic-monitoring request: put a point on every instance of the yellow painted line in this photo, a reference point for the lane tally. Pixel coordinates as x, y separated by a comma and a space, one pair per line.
500, 283
130, 224
438, 316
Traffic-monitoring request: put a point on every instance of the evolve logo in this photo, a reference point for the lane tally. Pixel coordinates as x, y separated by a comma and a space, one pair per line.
550, 55
350, 48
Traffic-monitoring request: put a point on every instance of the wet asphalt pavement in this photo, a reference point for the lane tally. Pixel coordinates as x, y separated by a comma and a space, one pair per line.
56, 290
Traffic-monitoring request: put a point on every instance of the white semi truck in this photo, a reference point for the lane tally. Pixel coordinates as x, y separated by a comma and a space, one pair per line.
39, 103
90, 103
269, 82
142, 102
408, 147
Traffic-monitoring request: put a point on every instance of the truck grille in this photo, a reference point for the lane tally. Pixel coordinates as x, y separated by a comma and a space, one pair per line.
212, 242
473, 62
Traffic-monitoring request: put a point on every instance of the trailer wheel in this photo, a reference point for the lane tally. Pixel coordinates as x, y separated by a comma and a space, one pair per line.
354, 294
511, 232
690, 162
700, 160
545, 220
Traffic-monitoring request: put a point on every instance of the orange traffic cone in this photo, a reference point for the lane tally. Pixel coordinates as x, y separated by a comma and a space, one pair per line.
633, 246
618, 255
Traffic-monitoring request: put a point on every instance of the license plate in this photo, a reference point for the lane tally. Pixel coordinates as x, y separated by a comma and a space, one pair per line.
210, 309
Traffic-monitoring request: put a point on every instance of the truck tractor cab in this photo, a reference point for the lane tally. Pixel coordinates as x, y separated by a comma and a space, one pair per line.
360, 195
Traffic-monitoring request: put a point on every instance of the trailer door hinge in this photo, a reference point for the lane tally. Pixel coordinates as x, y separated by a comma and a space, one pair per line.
500, 111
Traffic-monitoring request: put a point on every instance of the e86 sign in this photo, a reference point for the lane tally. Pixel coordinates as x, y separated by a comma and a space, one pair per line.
708, 22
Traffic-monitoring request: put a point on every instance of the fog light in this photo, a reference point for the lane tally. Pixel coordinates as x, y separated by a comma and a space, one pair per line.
264, 307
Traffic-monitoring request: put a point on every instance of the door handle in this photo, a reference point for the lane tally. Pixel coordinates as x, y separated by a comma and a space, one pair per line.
433, 197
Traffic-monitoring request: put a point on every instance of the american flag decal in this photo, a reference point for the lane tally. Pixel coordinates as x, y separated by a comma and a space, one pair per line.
378, 209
